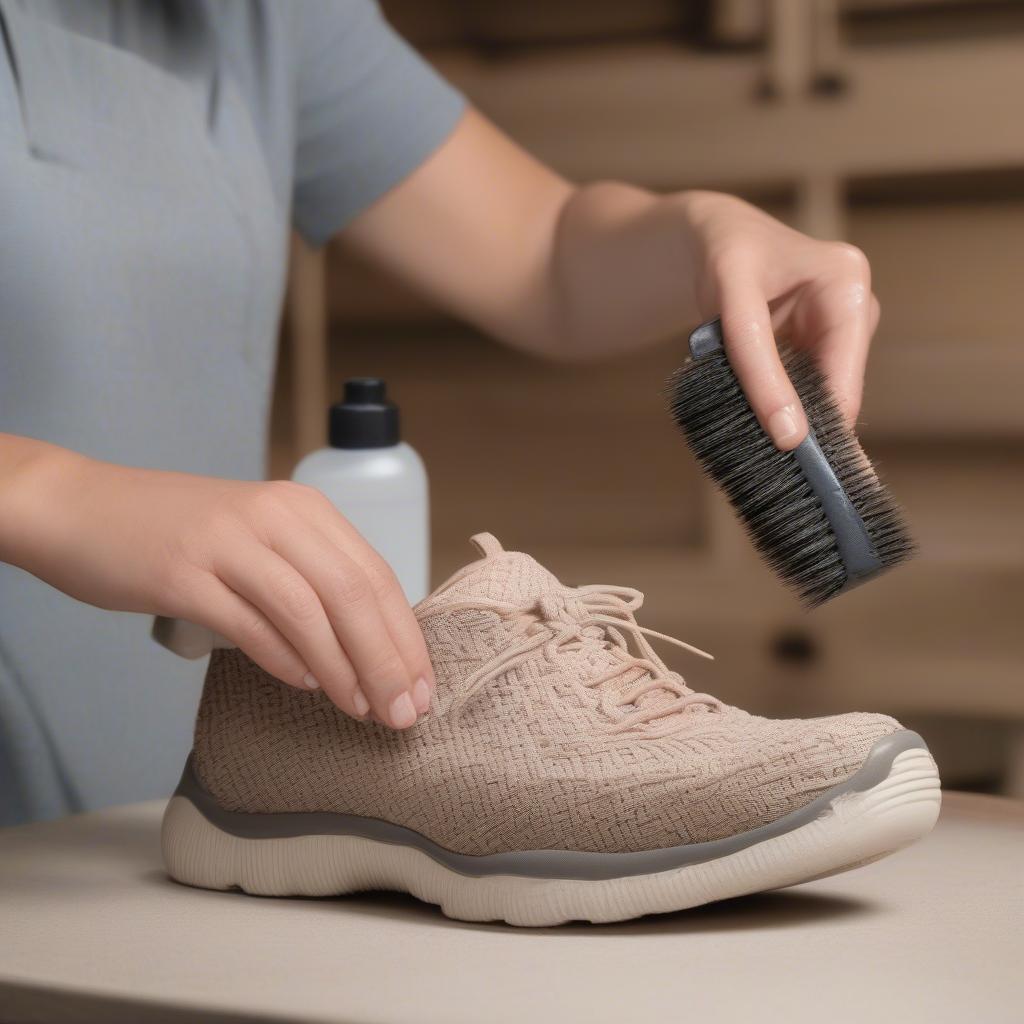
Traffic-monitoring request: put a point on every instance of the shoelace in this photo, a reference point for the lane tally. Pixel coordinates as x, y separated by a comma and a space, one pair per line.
603, 614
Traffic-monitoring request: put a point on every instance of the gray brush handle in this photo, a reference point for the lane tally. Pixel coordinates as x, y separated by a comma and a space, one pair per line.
858, 555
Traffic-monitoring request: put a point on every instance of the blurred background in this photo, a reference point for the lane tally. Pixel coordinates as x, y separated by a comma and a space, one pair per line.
895, 124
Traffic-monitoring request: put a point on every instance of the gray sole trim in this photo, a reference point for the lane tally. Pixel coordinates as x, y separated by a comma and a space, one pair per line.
565, 864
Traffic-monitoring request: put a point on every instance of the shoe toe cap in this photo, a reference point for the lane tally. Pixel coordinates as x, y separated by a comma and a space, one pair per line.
775, 767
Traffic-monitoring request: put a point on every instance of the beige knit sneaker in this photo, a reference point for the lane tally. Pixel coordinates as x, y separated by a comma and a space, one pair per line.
564, 772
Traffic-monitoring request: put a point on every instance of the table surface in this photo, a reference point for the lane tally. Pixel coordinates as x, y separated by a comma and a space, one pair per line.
91, 928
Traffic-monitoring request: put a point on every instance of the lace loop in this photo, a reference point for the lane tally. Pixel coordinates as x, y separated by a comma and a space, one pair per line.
594, 615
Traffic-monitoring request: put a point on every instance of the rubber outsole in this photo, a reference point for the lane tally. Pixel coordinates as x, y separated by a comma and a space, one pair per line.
847, 827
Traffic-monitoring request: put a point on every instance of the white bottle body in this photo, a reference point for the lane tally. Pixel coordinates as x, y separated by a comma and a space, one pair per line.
383, 493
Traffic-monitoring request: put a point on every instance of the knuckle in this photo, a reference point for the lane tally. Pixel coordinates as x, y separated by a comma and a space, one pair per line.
296, 495
851, 258
295, 596
287, 489
382, 578
273, 499
723, 261
253, 632
743, 332
349, 590
313, 498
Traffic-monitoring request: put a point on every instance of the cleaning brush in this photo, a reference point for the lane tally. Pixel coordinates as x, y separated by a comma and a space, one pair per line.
818, 514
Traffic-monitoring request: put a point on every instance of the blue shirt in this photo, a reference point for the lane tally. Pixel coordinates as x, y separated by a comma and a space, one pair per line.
153, 158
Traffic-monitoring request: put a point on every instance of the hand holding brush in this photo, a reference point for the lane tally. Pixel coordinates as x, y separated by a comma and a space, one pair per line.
817, 512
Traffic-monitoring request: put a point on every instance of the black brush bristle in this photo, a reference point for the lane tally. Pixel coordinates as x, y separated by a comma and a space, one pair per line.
767, 487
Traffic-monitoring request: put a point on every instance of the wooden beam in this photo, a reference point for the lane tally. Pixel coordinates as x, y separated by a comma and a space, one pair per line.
306, 331
666, 116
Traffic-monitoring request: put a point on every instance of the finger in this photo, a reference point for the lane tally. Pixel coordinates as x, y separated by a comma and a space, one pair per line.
838, 323
280, 592
234, 618
754, 357
351, 605
401, 621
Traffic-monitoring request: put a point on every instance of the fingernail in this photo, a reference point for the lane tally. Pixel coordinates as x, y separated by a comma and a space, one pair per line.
360, 703
782, 425
402, 711
310, 680
421, 695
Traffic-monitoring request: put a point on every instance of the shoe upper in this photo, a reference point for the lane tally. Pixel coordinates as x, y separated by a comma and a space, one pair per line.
555, 725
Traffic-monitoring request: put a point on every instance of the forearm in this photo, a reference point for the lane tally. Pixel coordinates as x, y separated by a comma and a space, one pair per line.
505, 243
569, 272
623, 272
30, 473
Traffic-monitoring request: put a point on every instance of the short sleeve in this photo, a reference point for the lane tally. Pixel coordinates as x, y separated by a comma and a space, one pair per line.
369, 111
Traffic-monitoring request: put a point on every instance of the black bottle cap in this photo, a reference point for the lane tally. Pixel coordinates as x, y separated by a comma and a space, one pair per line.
364, 418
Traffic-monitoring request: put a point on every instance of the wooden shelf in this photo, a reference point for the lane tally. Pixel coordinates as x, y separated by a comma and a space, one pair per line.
670, 117
919, 159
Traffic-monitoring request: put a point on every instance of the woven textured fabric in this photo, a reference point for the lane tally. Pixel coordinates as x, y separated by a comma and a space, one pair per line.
553, 727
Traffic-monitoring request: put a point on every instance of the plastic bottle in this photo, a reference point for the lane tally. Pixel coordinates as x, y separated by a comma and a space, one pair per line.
376, 480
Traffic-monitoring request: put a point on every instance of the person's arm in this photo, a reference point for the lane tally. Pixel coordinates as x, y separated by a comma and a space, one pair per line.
578, 272
271, 566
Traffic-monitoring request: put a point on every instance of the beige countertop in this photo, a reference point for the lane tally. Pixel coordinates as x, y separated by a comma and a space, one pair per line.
92, 929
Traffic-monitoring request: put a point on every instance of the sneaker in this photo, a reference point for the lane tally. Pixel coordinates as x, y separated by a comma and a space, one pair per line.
563, 772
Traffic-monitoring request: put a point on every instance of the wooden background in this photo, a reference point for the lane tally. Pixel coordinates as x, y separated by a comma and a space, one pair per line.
896, 125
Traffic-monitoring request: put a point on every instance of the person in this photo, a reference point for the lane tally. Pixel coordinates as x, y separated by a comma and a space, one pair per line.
155, 156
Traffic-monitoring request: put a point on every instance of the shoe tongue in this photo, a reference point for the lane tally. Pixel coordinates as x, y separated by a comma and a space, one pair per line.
510, 577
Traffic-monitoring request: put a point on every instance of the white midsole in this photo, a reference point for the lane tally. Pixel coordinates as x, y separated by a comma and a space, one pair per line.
855, 829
